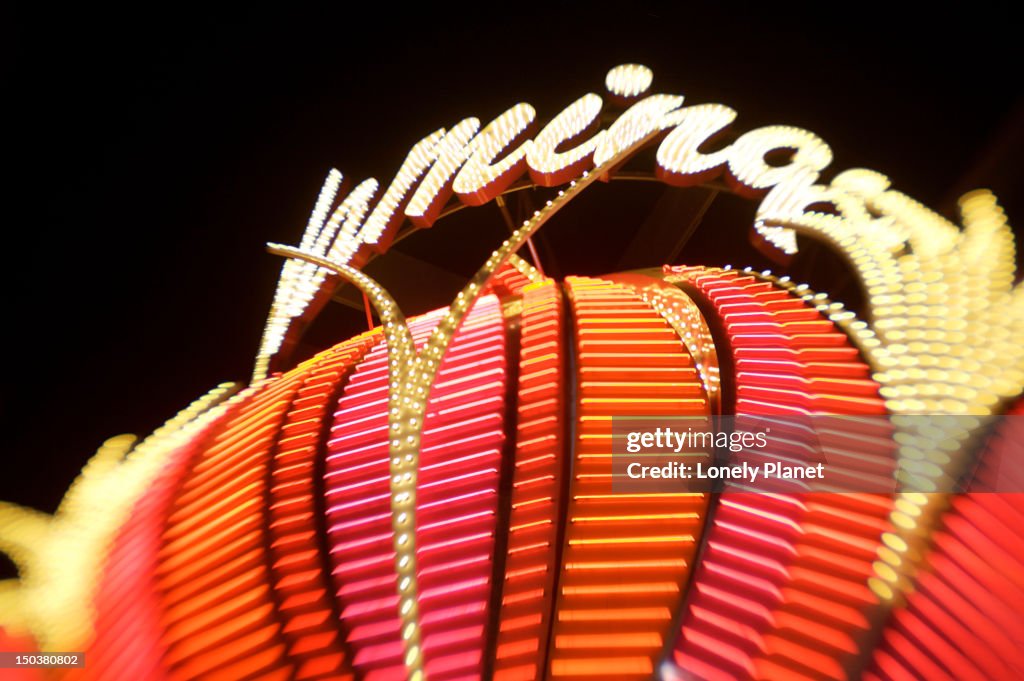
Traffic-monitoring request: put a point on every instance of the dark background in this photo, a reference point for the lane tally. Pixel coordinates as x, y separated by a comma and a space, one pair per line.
150, 154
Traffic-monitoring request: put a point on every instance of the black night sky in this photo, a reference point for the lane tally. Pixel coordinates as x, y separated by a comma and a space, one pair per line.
151, 153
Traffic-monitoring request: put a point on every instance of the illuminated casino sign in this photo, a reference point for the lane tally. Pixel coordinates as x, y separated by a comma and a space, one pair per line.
449, 496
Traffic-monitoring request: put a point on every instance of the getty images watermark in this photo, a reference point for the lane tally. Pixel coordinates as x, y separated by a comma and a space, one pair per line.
845, 454
663, 439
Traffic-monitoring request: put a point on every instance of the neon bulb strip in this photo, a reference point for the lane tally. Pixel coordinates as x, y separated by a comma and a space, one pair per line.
781, 590
536, 488
128, 643
219, 615
456, 503
357, 489
312, 636
617, 561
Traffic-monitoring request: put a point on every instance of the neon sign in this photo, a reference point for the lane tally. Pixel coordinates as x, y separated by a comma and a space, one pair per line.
940, 337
